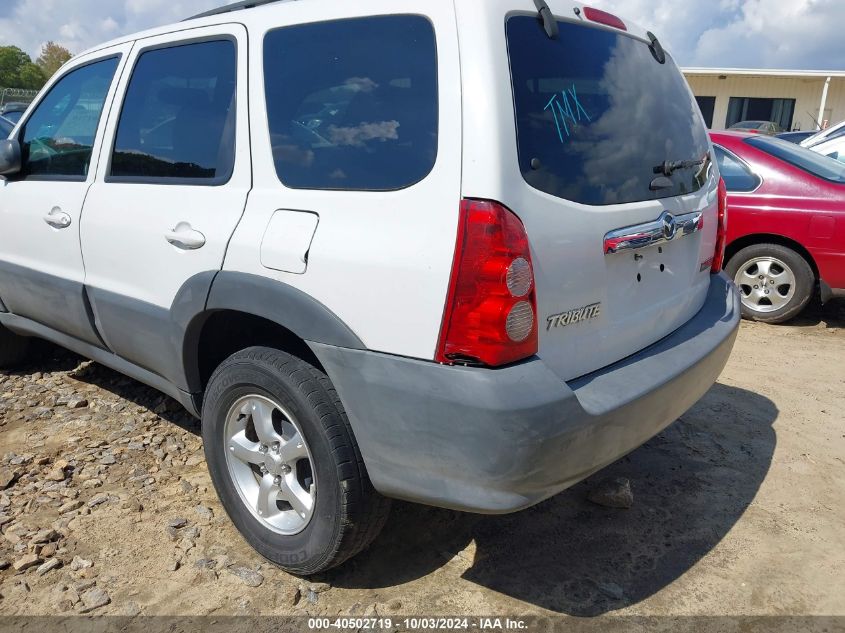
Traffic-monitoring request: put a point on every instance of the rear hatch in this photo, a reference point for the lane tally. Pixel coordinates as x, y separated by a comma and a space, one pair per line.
609, 144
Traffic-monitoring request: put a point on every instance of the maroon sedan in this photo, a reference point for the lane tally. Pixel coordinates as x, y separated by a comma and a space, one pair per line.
786, 228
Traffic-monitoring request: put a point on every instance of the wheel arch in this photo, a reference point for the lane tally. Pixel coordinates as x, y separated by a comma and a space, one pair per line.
770, 238
246, 310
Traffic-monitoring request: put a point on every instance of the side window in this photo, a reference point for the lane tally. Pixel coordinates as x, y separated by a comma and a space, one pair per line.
59, 135
352, 104
738, 177
177, 123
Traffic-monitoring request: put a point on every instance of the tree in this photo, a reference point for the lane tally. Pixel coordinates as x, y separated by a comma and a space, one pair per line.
18, 71
52, 57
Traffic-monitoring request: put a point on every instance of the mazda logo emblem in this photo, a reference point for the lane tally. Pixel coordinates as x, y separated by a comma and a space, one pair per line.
669, 226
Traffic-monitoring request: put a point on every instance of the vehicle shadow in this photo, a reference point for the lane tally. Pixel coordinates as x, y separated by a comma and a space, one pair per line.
691, 484
48, 358
831, 314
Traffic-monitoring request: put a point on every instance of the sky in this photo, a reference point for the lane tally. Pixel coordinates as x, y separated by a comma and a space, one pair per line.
796, 34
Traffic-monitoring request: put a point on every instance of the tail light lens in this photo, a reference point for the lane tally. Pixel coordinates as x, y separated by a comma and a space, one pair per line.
721, 229
491, 308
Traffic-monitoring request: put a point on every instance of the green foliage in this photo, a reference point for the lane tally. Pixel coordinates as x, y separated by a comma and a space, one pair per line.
52, 58
18, 71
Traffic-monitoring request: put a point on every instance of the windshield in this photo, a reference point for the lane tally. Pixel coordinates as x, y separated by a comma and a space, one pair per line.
596, 113
801, 157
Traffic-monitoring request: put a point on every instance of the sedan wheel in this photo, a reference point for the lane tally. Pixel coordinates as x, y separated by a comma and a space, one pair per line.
766, 284
774, 281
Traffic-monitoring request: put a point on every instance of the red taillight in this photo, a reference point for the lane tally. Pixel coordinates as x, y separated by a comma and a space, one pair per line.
603, 17
491, 308
721, 229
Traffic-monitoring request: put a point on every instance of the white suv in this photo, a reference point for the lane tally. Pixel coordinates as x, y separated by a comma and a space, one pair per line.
460, 253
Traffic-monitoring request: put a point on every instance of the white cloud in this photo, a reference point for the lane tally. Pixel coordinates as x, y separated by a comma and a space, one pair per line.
755, 33
802, 34
81, 24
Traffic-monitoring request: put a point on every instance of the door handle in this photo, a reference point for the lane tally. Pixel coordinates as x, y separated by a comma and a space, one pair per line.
58, 219
185, 237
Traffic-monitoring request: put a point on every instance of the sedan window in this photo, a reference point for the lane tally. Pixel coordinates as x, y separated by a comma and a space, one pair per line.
736, 174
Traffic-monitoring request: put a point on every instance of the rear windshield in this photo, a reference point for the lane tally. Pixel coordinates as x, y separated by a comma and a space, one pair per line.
803, 158
596, 113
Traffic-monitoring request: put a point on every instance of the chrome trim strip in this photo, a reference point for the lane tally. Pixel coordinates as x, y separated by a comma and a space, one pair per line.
664, 229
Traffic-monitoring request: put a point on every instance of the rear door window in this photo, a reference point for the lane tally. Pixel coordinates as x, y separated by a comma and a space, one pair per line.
352, 104
177, 124
596, 114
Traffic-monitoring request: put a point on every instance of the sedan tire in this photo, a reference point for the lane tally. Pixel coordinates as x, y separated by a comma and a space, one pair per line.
774, 281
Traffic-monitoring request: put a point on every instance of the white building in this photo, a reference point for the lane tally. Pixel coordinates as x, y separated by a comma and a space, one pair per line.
796, 99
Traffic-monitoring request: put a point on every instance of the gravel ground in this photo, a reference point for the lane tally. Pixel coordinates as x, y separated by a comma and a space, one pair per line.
736, 509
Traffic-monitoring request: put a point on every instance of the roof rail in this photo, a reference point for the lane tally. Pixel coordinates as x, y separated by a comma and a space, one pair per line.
235, 6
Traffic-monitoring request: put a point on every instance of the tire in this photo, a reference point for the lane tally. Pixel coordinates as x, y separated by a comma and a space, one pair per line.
346, 513
774, 281
14, 349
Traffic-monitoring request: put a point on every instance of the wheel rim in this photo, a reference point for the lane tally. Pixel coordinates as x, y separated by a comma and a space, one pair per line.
270, 464
766, 284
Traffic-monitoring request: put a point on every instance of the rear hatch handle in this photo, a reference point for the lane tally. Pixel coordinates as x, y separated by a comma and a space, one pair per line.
664, 229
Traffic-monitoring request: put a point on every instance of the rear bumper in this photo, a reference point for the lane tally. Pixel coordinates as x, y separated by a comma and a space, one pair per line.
497, 441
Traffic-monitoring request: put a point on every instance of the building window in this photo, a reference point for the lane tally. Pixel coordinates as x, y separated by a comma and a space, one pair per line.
707, 105
778, 111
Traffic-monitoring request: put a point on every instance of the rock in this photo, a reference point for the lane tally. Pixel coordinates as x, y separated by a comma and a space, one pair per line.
205, 563
58, 472
79, 563
93, 599
130, 610
77, 402
612, 493
289, 595
98, 499
250, 577
91, 483
132, 504
173, 565
108, 459
70, 506
186, 486
44, 536
24, 563
4, 564
49, 550
319, 587
177, 523
8, 477
611, 590
204, 512
49, 566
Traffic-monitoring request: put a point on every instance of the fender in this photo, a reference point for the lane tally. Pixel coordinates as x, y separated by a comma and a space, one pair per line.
269, 299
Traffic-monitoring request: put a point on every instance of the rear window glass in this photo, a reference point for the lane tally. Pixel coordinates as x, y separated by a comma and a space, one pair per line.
596, 114
352, 104
803, 158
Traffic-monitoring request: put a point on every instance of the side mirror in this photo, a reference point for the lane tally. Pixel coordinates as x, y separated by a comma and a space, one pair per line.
10, 157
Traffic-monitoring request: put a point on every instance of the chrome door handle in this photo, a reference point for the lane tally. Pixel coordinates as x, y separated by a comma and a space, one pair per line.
58, 219
185, 237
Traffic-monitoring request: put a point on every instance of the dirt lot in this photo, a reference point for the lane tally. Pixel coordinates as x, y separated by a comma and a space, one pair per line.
106, 507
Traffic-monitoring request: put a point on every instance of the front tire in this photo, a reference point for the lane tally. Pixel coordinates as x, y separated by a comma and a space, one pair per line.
774, 281
285, 463
14, 349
